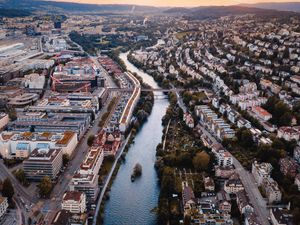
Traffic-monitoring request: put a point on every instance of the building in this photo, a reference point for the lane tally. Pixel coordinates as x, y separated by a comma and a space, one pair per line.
209, 184
288, 167
188, 198
272, 190
281, 216
297, 154
251, 219
224, 172
67, 218
243, 203
4, 119
261, 113
261, 171
74, 202
86, 177
21, 144
233, 185
3, 206
86, 183
43, 162
289, 133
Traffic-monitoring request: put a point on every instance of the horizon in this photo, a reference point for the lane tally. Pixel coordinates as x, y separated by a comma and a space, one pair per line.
176, 3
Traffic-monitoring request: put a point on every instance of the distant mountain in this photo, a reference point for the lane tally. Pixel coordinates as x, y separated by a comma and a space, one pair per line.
282, 6
52, 6
13, 13
211, 12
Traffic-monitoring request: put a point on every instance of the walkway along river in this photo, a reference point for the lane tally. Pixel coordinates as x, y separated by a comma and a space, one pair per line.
131, 203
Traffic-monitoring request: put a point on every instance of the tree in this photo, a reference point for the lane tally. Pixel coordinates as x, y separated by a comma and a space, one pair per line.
90, 140
244, 137
45, 186
66, 159
7, 189
201, 161
20, 175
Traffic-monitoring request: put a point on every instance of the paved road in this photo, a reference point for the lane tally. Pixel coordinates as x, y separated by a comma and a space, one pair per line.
248, 181
19, 191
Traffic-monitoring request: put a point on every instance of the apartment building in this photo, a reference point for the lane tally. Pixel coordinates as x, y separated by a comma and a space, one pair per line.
261, 171
74, 202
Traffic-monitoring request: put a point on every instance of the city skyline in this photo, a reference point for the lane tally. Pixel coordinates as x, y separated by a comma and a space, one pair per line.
177, 3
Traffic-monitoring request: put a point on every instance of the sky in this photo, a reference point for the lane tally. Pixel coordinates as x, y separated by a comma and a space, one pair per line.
177, 3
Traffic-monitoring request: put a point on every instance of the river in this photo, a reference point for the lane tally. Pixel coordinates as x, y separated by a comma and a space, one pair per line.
131, 203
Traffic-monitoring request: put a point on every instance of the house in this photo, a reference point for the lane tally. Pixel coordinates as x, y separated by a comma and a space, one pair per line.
297, 181
4, 119
243, 123
74, 202
223, 201
272, 190
261, 171
251, 219
261, 113
188, 119
297, 154
280, 216
233, 184
209, 184
243, 203
3, 206
224, 172
288, 167
232, 115
188, 197
289, 133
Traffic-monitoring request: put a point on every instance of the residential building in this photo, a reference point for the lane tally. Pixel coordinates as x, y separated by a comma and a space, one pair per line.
224, 172
43, 162
209, 184
74, 202
261, 171
289, 133
233, 185
288, 167
188, 197
297, 154
67, 218
272, 190
261, 113
281, 216
243, 203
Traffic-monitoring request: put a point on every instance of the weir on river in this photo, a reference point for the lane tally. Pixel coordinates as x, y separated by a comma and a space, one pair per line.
131, 203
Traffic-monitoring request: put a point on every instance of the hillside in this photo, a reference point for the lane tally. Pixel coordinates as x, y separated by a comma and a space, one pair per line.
211, 12
284, 6
52, 6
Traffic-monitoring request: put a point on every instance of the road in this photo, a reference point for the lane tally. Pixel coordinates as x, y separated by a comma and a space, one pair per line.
248, 181
19, 191
108, 178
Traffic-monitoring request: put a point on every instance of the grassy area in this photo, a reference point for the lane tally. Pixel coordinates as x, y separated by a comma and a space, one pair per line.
181, 35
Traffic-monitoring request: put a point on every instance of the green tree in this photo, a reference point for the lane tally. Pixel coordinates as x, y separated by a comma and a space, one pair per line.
66, 159
201, 161
7, 189
20, 175
90, 140
45, 186
244, 137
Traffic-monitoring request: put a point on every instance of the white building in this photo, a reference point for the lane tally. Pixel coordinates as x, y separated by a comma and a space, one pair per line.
261, 171
4, 119
21, 144
74, 202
